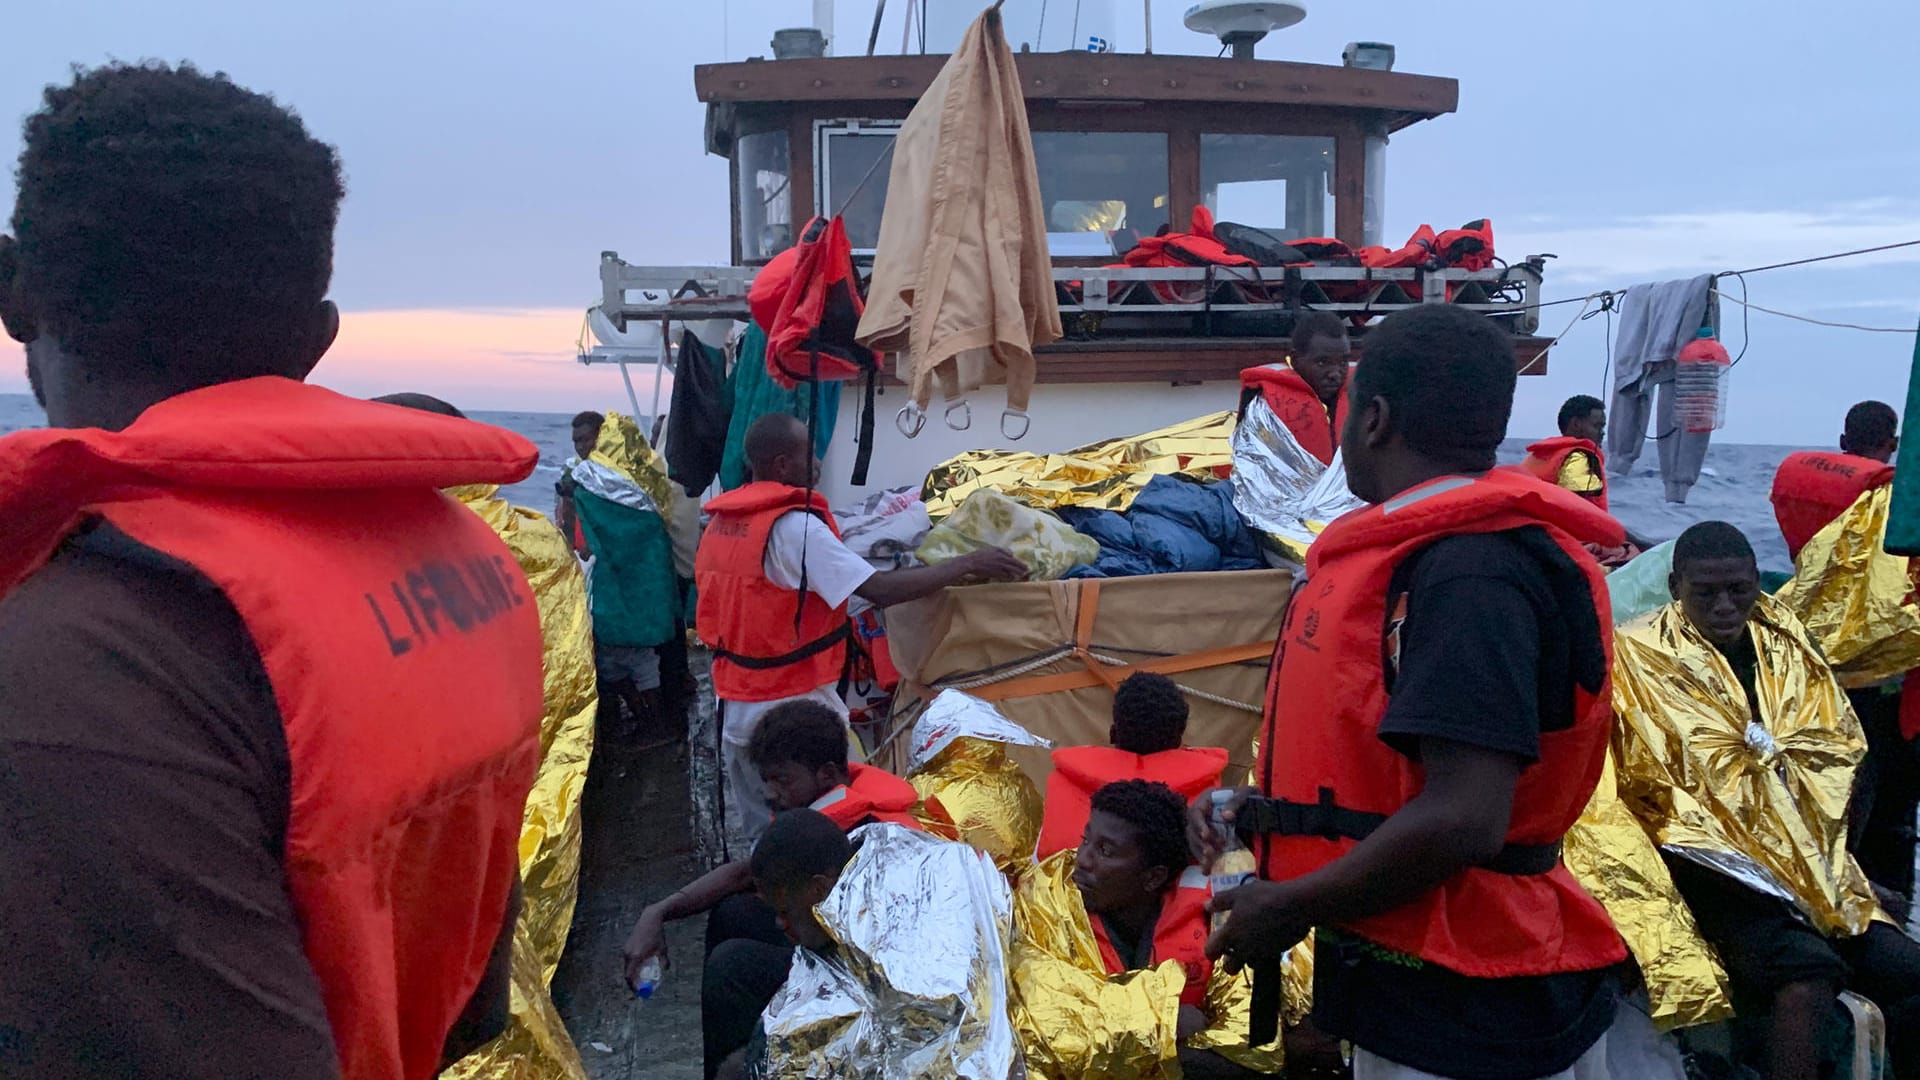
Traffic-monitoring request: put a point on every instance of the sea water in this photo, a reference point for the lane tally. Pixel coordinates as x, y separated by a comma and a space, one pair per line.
1733, 484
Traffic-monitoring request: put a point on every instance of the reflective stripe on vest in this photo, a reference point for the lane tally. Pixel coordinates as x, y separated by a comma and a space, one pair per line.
1545, 458
1180, 934
1328, 695
403, 647
1079, 771
1814, 487
761, 652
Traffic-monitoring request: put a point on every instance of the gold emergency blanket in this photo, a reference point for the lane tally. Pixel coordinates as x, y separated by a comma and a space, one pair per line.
1613, 859
918, 988
959, 756
535, 1045
1076, 1020
624, 448
1858, 602
1764, 801
1104, 475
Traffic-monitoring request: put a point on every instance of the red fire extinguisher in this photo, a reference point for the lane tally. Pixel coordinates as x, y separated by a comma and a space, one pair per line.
1700, 384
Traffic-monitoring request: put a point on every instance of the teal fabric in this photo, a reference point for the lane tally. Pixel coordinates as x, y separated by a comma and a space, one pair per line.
755, 395
635, 597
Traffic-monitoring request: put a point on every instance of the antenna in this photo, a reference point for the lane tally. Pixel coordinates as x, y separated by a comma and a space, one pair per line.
1239, 24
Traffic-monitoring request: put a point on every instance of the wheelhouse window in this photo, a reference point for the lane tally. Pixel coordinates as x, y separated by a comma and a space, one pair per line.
1280, 183
1102, 190
763, 191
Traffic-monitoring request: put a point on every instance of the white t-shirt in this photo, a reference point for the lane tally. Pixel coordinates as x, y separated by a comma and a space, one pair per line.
833, 570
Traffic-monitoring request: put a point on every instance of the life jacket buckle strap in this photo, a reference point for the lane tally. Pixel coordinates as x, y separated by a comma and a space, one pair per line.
805, 652
1328, 820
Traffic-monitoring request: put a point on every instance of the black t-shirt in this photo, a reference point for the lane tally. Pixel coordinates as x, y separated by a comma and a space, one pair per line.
1485, 650
1745, 661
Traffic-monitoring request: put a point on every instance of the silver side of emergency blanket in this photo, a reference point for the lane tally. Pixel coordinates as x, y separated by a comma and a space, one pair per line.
1279, 488
919, 985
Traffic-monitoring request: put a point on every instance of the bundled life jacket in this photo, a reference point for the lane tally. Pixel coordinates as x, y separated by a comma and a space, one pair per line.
1813, 487
1180, 934
403, 647
1079, 771
768, 644
1418, 252
1331, 780
1198, 246
1545, 458
1469, 247
1298, 407
807, 299
870, 794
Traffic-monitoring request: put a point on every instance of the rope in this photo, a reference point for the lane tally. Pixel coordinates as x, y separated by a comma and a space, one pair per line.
1555, 340
1825, 258
1814, 321
1054, 655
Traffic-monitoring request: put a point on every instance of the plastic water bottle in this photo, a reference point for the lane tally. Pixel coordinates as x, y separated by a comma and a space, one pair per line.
1235, 865
649, 981
1700, 384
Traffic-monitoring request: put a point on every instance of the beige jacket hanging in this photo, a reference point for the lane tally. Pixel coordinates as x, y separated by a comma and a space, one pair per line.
962, 260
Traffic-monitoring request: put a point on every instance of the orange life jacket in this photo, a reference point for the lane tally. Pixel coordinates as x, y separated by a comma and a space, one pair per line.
1813, 487
402, 644
1079, 771
761, 650
1334, 781
1179, 934
870, 793
1545, 458
1298, 407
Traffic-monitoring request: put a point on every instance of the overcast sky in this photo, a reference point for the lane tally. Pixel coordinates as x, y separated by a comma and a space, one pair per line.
494, 149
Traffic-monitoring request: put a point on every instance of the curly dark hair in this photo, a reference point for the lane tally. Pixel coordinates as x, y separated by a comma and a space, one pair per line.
1314, 325
1578, 407
804, 732
1448, 375
172, 219
1149, 714
1157, 813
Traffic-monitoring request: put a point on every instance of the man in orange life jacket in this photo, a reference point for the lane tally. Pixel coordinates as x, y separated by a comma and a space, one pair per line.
1573, 461
1306, 393
296, 688
1149, 720
1437, 718
1810, 490
774, 583
800, 751
1147, 902
1812, 487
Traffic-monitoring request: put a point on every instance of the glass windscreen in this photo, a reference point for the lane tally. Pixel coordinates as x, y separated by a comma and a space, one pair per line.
1280, 183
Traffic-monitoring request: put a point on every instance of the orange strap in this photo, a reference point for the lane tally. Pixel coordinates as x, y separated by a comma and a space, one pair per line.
1111, 675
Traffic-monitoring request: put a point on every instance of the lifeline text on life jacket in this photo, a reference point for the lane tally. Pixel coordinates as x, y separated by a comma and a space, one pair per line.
1333, 781
761, 650
403, 647
870, 794
1180, 934
1546, 458
1298, 407
1079, 771
1812, 487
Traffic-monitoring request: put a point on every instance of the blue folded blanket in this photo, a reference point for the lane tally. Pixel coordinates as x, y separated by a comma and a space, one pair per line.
1174, 526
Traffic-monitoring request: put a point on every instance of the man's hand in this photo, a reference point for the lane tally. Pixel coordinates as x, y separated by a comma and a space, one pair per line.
1192, 1022
1264, 920
648, 939
1202, 840
991, 564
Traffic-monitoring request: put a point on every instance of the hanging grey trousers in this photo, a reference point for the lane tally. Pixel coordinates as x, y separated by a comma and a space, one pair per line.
1681, 452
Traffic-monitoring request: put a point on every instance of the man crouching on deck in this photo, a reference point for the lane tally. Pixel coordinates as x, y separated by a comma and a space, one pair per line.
1436, 721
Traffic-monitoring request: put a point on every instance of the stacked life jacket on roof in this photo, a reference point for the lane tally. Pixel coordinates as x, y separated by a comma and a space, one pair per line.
1547, 458
1300, 408
1180, 934
870, 794
768, 643
1812, 487
1523, 913
403, 647
1079, 771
